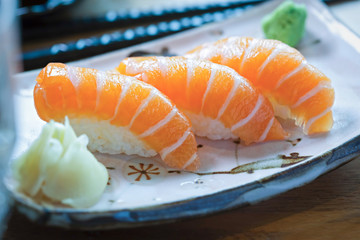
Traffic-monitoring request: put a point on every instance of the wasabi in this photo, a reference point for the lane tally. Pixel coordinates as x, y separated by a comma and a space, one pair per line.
286, 23
59, 166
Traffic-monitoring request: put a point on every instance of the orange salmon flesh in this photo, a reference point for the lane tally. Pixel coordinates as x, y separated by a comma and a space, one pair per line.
281, 73
123, 101
211, 91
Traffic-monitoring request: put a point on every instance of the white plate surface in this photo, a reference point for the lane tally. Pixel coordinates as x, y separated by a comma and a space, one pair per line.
135, 200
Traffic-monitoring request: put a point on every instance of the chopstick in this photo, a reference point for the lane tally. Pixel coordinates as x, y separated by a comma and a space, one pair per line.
86, 47
48, 27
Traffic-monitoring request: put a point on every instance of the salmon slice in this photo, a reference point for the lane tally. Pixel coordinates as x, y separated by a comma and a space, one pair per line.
103, 105
281, 73
219, 102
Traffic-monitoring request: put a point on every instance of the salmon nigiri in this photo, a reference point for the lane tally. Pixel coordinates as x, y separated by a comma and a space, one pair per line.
281, 73
219, 102
118, 113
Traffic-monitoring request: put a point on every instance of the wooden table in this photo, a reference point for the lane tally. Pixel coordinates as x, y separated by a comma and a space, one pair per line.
328, 208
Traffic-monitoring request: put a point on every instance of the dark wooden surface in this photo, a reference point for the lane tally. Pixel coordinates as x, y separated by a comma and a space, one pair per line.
327, 208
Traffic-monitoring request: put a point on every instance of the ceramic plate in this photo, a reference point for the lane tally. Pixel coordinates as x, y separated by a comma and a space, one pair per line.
143, 191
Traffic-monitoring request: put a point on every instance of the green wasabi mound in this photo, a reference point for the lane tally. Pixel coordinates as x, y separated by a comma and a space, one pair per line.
58, 165
286, 23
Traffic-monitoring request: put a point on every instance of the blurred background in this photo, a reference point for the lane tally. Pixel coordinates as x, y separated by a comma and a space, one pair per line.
68, 30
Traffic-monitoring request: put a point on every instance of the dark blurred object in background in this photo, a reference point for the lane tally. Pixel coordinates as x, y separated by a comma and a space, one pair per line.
68, 30
36, 8
76, 32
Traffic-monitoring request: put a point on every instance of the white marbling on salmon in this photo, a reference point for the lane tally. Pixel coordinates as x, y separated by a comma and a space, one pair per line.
290, 74
229, 52
131, 67
209, 84
313, 119
243, 121
100, 80
229, 97
46, 100
190, 161
72, 73
266, 131
124, 90
190, 73
312, 92
143, 105
158, 125
280, 48
248, 52
164, 152
163, 66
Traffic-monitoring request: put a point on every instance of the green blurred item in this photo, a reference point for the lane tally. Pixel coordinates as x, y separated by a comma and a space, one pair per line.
286, 23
